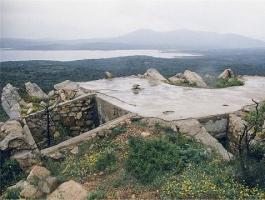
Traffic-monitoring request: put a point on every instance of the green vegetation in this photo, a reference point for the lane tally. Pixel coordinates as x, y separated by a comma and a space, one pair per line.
222, 83
13, 193
99, 194
250, 162
214, 82
209, 180
102, 157
148, 159
176, 166
105, 160
10, 173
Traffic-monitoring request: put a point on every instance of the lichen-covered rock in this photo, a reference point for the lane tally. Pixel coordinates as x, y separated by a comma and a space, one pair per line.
34, 90
10, 102
177, 79
38, 173
48, 184
69, 190
194, 78
20, 184
30, 192
26, 159
68, 90
12, 136
227, 73
153, 74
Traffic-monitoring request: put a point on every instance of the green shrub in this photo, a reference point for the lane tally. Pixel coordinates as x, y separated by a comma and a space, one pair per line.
223, 83
253, 175
98, 194
105, 160
12, 193
150, 158
118, 130
138, 122
10, 173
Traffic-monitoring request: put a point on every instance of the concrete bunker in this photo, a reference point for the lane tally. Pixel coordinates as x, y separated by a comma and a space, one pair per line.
71, 118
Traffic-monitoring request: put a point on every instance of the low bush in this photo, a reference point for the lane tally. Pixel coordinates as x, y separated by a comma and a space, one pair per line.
223, 83
98, 194
253, 175
118, 130
10, 173
215, 82
149, 158
13, 193
105, 160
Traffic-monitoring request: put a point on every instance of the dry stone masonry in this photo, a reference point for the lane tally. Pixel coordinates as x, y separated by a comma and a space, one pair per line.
68, 119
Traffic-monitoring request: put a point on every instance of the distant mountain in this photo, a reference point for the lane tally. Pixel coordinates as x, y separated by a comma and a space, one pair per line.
142, 39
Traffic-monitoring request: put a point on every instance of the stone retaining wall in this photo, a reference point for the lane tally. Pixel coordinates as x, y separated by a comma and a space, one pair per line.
68, 119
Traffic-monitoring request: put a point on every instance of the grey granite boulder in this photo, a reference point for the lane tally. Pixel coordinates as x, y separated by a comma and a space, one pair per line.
227, 73
153, 74
34, 90
10, 102
194, 78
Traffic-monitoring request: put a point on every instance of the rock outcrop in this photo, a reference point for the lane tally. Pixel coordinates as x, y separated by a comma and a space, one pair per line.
10, 102
34, 90
227, 73
12, 136
69, 190
154, 75
177, 79
18, 140
108, 75
68, 90
194, 78
38, 184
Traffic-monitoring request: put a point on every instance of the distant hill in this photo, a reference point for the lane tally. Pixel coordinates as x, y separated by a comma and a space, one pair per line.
142, 39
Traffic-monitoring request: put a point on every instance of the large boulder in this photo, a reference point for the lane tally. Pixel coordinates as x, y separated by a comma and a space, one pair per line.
69, 190
12, 136
194, 78
18, 140
227, 73
38, 173
34, 90
177, 79
153, 74
10, 101
30, 192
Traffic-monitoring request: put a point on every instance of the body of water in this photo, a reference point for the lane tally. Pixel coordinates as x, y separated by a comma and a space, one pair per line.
69, 55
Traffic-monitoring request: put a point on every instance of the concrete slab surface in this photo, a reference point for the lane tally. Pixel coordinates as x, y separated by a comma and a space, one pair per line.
171, 102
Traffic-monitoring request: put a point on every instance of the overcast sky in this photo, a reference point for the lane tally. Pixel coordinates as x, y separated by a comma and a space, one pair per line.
72, 19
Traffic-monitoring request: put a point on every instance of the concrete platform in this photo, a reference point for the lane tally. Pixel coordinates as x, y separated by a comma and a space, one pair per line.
170, 102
